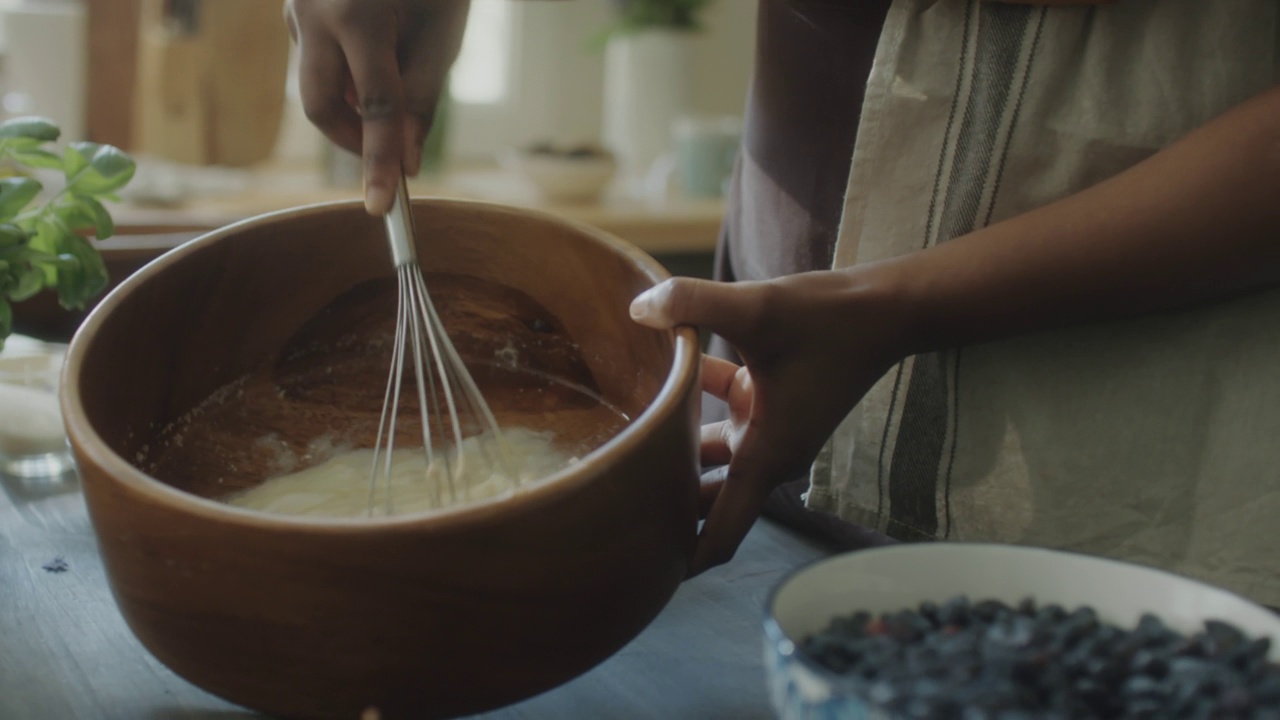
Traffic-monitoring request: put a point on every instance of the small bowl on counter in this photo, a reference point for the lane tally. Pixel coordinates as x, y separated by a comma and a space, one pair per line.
568, 175
973, 631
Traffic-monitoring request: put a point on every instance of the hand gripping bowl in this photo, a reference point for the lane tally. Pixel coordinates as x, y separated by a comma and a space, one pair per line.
441, 615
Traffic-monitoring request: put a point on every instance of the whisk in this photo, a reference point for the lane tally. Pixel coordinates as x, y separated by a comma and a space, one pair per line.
446, 391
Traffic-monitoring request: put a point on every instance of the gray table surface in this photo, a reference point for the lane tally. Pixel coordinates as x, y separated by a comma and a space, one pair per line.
65, 652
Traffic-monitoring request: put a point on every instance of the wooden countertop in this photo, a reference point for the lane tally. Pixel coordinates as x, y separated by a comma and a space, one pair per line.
674, 225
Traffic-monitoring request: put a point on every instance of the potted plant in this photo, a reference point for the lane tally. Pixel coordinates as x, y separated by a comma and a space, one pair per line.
640, 15
647, 59
44, 236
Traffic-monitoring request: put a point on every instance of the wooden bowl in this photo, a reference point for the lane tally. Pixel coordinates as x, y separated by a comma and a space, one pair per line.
430, 616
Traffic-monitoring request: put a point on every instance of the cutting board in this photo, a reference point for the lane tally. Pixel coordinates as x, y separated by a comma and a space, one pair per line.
210, 81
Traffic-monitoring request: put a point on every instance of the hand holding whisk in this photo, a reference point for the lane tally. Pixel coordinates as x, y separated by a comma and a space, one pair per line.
446, 392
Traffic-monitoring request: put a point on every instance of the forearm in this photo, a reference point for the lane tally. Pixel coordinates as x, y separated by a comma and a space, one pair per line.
1197, 221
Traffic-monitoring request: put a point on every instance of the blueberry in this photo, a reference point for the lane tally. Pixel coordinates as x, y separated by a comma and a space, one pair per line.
917, 709
1224, 636
1259, 649
1143, 710
1267, 690
929, 610
985, 659
1150, 663
1150, 626
1142, 686
1052, 613
955, 612
946, 709
989, 610
1188, 668
1236, 700
1011, 631
883, 692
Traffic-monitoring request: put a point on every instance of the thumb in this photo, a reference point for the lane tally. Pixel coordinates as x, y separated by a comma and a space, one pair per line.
726, 309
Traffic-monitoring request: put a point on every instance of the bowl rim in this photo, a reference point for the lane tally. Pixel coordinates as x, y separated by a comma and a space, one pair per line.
85, 439
783, 644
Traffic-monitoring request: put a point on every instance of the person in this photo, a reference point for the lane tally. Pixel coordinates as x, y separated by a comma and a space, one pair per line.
991, 270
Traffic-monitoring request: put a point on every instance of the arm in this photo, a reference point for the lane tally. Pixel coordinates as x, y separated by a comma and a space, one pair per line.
1197, 221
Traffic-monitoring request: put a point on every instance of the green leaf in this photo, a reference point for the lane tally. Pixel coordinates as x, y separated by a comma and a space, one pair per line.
86, 213
79, 273
14, 144
47, 240
15, 194
6, 321
65, 261
94, 169
11, 235
75, 288
34, 128
30, 282
103, 227
75, 215
36, 157
42, 260
73, 161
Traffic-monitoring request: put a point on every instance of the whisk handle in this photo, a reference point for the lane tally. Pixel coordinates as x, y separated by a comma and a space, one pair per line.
399, 220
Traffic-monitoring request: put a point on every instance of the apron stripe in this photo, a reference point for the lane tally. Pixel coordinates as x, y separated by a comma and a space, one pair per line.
928, 407
889, 435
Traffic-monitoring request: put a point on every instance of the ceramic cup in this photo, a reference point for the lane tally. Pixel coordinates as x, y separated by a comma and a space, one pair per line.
705, 152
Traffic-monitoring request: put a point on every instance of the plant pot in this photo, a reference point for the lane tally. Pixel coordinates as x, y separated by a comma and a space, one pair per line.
646, 88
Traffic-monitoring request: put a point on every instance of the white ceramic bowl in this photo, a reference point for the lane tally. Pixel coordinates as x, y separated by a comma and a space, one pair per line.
903, 576
560, 178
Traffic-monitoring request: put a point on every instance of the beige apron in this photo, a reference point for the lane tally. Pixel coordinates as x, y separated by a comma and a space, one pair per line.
1153, 440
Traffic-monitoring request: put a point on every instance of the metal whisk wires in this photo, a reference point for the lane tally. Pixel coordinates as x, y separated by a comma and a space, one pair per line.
446, 392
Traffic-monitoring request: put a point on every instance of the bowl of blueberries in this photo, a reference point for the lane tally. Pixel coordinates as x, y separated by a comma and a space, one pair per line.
956, 631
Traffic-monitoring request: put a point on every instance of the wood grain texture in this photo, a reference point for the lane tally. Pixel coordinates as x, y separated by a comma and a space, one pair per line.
113, 64
323, 619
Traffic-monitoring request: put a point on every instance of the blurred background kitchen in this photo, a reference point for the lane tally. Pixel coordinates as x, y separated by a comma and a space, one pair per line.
566, 106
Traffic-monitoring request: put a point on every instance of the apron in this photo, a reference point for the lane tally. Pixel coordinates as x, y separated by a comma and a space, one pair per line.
1152, 440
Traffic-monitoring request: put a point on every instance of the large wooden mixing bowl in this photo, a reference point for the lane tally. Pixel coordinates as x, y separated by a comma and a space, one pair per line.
455, 613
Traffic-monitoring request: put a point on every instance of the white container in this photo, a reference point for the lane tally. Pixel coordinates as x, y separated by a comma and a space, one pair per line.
33, 442
646, 87
46, 45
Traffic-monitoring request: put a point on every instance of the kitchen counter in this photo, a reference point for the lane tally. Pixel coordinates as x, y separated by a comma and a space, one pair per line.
66, 653
682, 233
671, 226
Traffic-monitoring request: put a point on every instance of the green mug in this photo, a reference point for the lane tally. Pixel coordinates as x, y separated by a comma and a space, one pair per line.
705, 150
